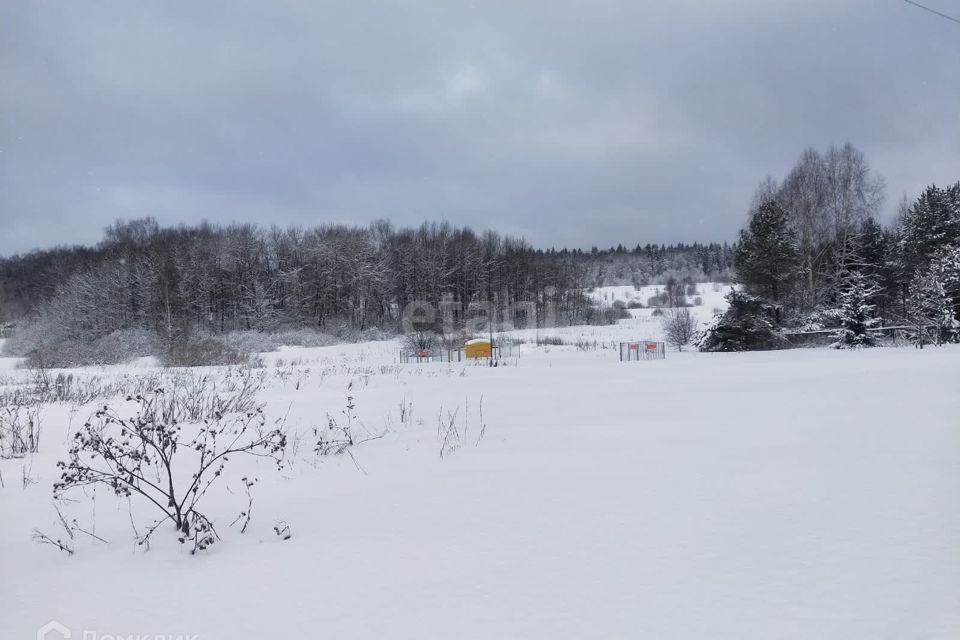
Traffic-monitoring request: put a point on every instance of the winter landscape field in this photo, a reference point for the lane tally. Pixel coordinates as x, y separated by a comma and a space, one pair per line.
564, 494
442, 320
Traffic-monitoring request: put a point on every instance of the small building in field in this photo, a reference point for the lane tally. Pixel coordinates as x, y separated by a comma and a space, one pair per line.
478, 348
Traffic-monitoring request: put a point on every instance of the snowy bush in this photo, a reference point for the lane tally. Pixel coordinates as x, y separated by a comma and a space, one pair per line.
43, 344
167, 464
660, 299
252, 341
204, 351
264, 342
19, 430
605, 314
25, 338
375, 334
124, 345
306, 338
418, 341
61, 355
186, 397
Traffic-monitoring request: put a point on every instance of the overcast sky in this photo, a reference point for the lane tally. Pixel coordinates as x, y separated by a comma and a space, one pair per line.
570, 123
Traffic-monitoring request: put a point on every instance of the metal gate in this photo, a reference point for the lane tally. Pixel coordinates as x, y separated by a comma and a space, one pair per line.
642, 350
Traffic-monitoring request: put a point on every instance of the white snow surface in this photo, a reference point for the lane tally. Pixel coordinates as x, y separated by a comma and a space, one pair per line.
795, 494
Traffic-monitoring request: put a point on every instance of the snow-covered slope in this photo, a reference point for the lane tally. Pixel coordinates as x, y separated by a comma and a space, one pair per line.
800, 494
643, 323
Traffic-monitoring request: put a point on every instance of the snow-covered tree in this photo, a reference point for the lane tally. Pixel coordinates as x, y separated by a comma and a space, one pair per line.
679, 326
749, 323
930, 307
856, 312
933, 222
946, 267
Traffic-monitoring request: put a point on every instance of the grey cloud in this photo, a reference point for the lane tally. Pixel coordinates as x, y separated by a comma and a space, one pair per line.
573, 123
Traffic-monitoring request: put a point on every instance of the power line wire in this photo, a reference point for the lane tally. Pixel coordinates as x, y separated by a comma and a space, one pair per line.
933, 11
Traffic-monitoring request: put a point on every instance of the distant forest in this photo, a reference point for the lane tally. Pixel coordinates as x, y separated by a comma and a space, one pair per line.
209, 279
813, 257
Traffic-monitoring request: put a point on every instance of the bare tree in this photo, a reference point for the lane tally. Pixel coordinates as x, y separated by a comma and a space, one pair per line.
827, 195
679, 326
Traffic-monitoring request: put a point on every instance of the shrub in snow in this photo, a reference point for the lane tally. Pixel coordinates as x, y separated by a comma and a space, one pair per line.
19, 430
604, 314
660, 299
64, 354
124, 345
43, 344
374, 334
306, 338
203, 351
25, 338
418, 341
39, 339
263, 342
252, 341
337, 436
749, 323
166, 464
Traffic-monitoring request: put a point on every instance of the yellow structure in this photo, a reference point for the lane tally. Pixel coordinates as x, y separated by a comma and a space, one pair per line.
478, 348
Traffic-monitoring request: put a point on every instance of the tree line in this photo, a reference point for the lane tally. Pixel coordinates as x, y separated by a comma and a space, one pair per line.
814, 256
209, 279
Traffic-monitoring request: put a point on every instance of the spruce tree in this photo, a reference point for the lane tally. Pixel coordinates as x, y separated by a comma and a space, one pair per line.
856, 312
748, 324
766, 258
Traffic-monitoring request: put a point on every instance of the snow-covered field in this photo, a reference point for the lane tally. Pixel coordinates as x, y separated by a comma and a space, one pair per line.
796, 494
643, 324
